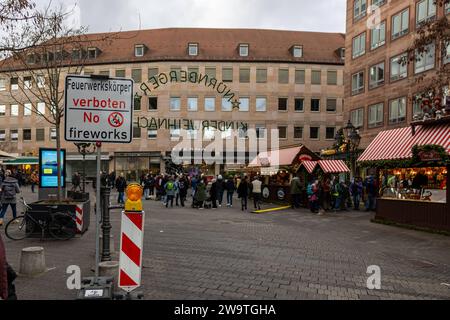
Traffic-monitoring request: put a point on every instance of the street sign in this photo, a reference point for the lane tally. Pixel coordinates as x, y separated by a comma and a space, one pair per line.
98, 109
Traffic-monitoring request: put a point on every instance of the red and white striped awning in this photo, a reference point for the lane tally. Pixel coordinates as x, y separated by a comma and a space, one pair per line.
333, 166
327, 166
309, 165
398, 143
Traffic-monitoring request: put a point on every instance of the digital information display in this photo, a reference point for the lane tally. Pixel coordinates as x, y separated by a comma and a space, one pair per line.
48, 168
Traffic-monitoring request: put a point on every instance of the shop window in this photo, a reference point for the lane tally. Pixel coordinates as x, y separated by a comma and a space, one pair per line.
282, 104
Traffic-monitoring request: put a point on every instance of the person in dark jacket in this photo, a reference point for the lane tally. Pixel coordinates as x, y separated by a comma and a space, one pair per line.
243, 192
8, 191
220, 189
230, 187
121, 185
214, 193
296, 190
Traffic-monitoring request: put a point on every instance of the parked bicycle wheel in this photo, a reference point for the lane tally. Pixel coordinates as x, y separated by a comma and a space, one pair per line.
19, 228
62, 226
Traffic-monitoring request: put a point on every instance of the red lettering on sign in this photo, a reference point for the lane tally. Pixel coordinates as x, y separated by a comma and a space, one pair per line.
103, 104
89, 118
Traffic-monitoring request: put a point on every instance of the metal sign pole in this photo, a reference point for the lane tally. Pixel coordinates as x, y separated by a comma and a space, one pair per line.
98, 213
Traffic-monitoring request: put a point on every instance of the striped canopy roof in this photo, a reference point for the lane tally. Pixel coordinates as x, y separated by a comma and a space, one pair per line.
327, 166
397, 144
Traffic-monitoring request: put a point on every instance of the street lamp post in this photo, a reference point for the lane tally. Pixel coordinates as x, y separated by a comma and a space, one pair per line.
352, 140
85, 149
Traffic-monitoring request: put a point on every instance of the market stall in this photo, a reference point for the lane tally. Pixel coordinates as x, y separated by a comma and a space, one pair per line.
411, 166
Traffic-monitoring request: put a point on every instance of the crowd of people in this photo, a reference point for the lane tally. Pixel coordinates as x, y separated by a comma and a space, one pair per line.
330, 194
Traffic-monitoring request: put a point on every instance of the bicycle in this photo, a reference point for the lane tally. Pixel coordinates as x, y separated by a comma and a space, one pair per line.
60, 225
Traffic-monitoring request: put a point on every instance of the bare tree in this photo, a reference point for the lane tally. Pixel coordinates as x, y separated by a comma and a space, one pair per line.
51, 50
435, 32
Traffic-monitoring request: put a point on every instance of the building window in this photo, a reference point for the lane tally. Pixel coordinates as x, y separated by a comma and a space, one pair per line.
315, 105
375, 115
261, 75
260, 131
446, 54
299, 104
358, 83
243, 133
120, 73
300, 76
104, 73
2, 110
14, 110
425, 60
152, 103
297, 51
192, 104
378, 3
209, 133
191, 70
330, 133
261, 104
331, 105
139, 50
282, 104
210, 72
227, 74
359, 45
245, 104
399, 67
298, 132
244, 75
136, 132
332, 78
92, 53
359, 9
27, 84
378, 36
52, 134
283, 76
152, 134
243, 50
136, 75
417, 105
282, 132
175, 104
27, 109
2, 135
40, 134
376, 75
226, 105
400, 24
14, 83
41, 108
40, 81
76, 54
193, 49
357, 117
14, 135
425, 11
137, 103
210, 104
176, 71
397, 110
316, 76
314, 133
447, 8
2, 84
26, 135
192, 134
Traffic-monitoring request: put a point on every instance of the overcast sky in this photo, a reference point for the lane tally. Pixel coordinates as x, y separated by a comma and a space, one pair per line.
115, 15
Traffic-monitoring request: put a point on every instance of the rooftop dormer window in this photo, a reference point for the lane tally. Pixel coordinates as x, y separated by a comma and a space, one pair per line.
139, 50
341, 53
193, 49
297, 51
93, 53
77, 54
243, 50
31, 58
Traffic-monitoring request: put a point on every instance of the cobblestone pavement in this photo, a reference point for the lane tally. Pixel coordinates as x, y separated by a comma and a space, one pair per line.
229, 254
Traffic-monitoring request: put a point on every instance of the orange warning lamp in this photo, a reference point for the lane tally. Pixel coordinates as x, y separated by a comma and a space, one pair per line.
134, 195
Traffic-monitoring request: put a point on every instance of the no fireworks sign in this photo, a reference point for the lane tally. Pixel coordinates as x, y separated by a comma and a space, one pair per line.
98, 109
